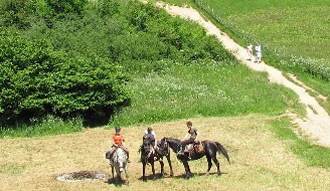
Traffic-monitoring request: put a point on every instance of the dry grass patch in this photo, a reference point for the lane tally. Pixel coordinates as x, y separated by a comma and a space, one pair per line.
259, 160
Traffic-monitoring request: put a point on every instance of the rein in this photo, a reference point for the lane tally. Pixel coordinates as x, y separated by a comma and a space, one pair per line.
146, 154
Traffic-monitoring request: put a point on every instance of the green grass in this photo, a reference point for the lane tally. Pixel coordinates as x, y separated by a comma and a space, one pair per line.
11, 168
294, 34
201, 91
313, 155
48, 126
299, 31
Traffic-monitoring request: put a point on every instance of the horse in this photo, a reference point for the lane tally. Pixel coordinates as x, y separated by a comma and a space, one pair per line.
210, 149
118, 161
148, 156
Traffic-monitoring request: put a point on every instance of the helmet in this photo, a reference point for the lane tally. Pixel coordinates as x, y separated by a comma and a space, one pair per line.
117, 128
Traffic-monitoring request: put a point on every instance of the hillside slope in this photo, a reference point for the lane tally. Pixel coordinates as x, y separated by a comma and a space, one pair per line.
317, 121
260, 161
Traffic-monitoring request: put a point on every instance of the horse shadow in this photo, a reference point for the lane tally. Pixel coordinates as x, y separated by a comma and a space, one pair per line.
183, 176
152, 177
116, 182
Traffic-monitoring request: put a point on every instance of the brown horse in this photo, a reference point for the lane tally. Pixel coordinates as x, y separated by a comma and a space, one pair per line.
210, 149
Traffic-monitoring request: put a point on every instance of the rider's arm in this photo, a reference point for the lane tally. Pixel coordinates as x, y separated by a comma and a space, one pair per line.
186, 137
197, 134
155, 138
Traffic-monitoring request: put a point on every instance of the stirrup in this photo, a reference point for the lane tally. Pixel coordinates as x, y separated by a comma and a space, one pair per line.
180, 152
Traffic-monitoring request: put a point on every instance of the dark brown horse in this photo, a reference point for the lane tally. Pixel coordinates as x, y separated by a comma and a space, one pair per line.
148, 156
210, 149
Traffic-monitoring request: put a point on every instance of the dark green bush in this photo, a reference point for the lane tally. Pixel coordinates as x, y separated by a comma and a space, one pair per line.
19, 13
36, 80
108, 8
62, 7
82, 68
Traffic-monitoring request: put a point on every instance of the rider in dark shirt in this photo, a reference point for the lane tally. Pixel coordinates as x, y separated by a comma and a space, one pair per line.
193, 133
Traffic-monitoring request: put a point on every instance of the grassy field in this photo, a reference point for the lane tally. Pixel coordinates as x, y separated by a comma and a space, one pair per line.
265, 153
196, 90
296, 33
260, 160
299, 28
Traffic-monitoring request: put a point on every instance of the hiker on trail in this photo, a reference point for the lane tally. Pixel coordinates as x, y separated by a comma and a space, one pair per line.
118, 140
250, 51
258, 53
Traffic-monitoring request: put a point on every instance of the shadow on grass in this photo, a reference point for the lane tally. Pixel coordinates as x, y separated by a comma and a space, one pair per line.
117, 182
197, 174
152, 177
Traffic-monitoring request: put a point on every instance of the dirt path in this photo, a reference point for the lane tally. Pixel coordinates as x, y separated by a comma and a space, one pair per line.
317, 121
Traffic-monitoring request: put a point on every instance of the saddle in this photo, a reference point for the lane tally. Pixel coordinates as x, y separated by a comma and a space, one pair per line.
195, 147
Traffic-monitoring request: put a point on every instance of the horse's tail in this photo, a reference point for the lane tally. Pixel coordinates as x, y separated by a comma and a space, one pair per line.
221, 149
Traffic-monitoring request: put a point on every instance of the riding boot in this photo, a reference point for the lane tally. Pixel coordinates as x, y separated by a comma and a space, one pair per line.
180, 150
159, 155
155, 155
128, 161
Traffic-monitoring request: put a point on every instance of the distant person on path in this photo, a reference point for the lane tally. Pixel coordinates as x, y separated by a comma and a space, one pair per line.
258, 53
250, 51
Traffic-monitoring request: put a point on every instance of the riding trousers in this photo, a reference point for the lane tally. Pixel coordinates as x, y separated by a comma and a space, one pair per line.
186, 142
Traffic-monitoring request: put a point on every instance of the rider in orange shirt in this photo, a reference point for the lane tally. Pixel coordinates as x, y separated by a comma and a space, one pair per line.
118, 140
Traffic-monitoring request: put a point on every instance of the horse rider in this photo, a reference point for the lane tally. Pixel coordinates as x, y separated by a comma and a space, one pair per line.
193, 133
118, 140
151, 135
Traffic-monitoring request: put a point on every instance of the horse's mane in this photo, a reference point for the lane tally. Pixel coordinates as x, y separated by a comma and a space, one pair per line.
172, 139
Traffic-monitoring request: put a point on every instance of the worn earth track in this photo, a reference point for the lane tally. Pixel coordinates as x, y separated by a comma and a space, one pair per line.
316, 124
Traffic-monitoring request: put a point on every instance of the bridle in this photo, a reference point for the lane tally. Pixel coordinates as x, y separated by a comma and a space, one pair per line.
146, 151
164, 149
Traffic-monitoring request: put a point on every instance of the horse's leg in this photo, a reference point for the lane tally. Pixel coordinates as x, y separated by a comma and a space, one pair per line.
127, 177
187, 169
118, 174
209, 162
113, 172
162, 168
153, 169
170, 164
144, 171
216, 162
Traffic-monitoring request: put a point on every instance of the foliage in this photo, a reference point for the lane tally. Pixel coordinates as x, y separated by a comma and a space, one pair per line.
62, 7
16, 12
41, 127
36, 80
211, 89
81, 64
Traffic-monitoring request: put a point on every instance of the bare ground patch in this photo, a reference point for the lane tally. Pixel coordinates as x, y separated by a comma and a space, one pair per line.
259, 160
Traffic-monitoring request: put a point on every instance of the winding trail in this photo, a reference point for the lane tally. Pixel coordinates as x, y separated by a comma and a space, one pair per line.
316, 124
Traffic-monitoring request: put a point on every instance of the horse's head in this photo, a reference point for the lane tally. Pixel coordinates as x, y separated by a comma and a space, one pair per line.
146, 146
120, 159
163, 146
172, 143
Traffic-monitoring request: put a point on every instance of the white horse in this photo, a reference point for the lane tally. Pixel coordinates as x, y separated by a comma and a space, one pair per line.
118, 161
